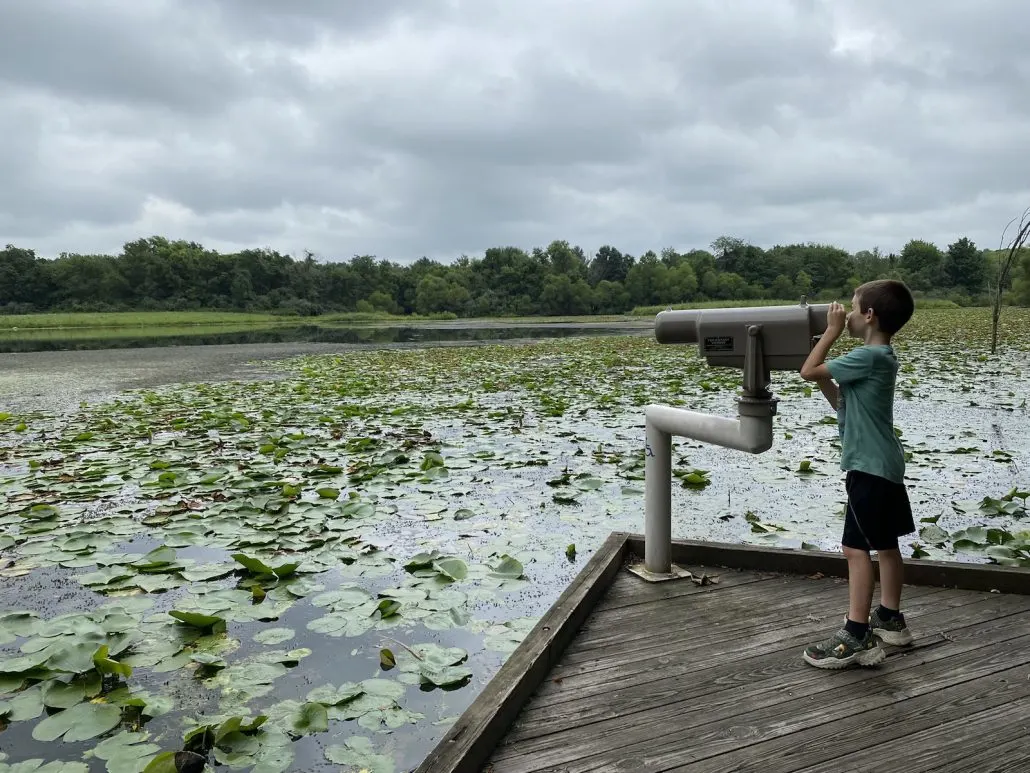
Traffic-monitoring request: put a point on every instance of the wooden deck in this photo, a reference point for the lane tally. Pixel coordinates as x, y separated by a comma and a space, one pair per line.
627, 675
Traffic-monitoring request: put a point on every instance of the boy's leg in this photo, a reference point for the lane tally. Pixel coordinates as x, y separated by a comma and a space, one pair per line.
861, 582
887, 621
892, 578
891, 499
854, 644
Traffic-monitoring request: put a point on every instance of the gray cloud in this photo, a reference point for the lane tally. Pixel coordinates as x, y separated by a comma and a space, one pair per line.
441, 127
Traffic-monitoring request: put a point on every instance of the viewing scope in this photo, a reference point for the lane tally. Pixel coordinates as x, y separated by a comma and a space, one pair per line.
787, 333
755, 339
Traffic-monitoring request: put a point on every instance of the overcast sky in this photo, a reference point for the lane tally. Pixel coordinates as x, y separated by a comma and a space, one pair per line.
403, 128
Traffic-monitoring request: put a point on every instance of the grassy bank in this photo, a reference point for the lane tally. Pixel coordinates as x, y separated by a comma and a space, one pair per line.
190, 320
155, 319
14, 325
131, 319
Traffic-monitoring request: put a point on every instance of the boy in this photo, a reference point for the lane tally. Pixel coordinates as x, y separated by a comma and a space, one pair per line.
878, 509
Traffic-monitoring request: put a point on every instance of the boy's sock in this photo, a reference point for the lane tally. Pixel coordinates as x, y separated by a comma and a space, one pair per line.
858, 630
886, 614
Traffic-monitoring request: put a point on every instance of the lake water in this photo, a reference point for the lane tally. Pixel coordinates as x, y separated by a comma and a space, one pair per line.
51, 373
458, 331
510, 421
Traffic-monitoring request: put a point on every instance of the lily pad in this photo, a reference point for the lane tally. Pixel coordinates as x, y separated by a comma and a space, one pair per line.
79, 723
311, 718
274, 636
357, 753
433, 665
261, 569
507, 567
126, 752
200, 621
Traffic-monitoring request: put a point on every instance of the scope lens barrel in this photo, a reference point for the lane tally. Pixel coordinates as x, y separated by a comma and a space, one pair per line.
676, 327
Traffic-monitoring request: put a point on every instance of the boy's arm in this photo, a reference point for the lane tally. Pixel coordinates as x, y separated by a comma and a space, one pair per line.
814, 368
830, 391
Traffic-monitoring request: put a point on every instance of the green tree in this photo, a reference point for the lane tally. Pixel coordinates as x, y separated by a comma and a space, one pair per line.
382, 301
564, 295
803, 283
1021, 280
782, 287
681, 284
609, 264
965, 266
565, 259
647, 281
158, 273
22, 278
610, 298
436, 294
241, 289
921, 264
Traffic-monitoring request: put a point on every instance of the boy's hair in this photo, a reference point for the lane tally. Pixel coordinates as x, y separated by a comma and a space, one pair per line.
890, 300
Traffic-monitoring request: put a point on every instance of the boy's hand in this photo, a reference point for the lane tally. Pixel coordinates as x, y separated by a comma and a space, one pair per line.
814, 369
836, 319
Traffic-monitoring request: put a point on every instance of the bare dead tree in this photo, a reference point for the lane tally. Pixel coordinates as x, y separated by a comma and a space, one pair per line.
1017, 243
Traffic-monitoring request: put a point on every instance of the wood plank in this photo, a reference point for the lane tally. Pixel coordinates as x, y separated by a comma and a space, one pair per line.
469, 741
483, 723
695, 654
629, 590
791, 717
742, 594
622, 697
750, 668
1002, 742
830, 612
770, 709
732, 605
985, 733
947, 574
929, 716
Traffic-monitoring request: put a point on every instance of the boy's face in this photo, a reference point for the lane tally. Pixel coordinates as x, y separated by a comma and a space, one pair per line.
857, 322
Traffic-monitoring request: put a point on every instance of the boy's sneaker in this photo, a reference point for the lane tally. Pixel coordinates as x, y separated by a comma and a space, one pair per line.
892, 631
842, 650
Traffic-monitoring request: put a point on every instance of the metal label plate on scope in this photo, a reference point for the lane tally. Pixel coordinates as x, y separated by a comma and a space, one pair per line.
719, 344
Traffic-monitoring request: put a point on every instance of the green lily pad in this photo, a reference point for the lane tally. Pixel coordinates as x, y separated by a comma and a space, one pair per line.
261, 569
39, 766
451, 568
126, 752
274, 636
357, 753
212, 623
507, 567
79, 723
433, 665
311, 718
17, 624
62, 695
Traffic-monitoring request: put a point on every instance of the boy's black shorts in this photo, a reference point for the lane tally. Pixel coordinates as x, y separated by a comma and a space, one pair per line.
878, 512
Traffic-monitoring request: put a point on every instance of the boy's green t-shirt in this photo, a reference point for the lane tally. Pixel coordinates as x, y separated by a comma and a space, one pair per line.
865, 412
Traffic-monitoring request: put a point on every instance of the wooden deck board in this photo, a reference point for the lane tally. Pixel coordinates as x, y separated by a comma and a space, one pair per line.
618, 693
698, 722
677, 705
724, 640
673, 676
924, 727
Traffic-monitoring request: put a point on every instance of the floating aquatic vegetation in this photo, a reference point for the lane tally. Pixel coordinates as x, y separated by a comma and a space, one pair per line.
183, 567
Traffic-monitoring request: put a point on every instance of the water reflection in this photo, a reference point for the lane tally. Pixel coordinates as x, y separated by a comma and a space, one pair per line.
87, 339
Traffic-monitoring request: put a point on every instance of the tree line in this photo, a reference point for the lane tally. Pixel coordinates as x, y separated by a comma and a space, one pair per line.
161, 274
